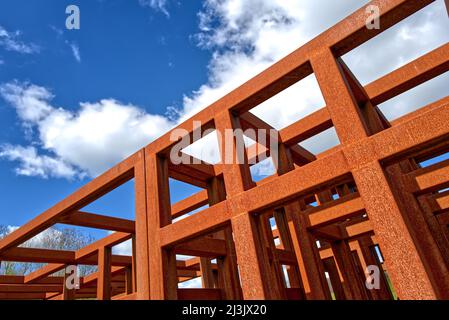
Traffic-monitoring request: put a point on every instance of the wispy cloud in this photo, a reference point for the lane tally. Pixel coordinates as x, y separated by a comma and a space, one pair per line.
32, 164
11, 42
159, 5
59, 32
75, 50
247, 36
74, 47
124, 248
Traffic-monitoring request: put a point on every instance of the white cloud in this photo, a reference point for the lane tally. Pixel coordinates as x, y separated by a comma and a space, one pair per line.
160, 5
195, 283
59, 32
263, 168
11, 229
88, 140
253, 34
72, 45
404, 42
124, 248
11, 42
34, 165
247, 36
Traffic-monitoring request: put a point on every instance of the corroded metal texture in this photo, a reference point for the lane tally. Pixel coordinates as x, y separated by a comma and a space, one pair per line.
310, 231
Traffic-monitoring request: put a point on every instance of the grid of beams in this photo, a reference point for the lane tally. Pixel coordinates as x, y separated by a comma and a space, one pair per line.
307, 232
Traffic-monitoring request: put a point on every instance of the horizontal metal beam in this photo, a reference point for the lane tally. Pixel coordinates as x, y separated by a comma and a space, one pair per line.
203, 247
20, 254
90, 220
338, 210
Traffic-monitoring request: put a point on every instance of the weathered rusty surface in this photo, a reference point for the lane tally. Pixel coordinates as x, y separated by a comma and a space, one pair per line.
334, 212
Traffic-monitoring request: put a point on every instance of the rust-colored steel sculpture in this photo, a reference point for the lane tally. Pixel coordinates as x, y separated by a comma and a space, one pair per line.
334, 212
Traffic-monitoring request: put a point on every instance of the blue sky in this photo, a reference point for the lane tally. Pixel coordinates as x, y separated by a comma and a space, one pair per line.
133, 54
75, 102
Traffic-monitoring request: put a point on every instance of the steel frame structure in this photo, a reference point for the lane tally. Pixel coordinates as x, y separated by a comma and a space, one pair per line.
368, 191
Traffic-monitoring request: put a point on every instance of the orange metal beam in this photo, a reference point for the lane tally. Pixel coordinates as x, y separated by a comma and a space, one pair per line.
90, 220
